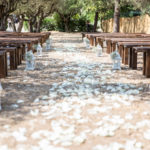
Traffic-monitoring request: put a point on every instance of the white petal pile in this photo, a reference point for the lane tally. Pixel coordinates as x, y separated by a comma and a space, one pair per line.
129, 145
147, 134
20, 135
14, 106
34, 112
4, 147
20, 101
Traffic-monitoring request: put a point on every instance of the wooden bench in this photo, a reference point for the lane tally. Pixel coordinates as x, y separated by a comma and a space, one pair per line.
13, 56
99, 38
127, 53
86, 34
16, 54
43, 36
146, 59
14, 44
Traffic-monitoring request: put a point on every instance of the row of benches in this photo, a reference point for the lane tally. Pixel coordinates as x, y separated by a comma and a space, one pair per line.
15, 44
128, 46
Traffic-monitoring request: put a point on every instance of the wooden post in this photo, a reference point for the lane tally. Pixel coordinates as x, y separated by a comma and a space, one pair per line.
134, 59
130, 57
12, 60
3, 64
147, 64
94, 41
23, 52
121, 50
113, 47
144, 63
126, 56
108, 47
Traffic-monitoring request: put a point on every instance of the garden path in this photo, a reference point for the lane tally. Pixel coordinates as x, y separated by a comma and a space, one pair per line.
73, 100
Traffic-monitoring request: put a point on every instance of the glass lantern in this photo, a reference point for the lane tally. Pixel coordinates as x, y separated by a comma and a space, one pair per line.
39, 49
30, 60
99, 50
86, 42
117, 63
115, 56
48, 44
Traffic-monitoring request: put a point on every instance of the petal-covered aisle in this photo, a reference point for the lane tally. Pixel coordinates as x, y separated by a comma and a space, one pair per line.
73, 100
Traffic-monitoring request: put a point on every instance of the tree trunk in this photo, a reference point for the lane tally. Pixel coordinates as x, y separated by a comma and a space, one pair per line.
101, 25
95, 21
66, 27
66, 22
21, 20
3, 23
13, 24
19, 29
38, 28
116, 16
30, 26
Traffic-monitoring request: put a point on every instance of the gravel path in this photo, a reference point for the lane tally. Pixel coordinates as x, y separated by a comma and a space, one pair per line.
73, 100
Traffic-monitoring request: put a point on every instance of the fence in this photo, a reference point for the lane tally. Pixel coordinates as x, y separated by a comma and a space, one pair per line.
138, 24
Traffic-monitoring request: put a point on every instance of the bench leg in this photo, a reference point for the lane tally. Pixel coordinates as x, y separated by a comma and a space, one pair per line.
3, 66
95, 41
123, 58
12, 61
108, 47
16, 61
121, 51
134, 59
23, 52
17, 56
113, 47
130, 57
92, 41
20, 55
6, 66
144, 63
147, 64
126, 56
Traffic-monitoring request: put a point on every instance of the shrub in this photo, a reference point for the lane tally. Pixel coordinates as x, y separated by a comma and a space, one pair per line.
48, 24
76, 24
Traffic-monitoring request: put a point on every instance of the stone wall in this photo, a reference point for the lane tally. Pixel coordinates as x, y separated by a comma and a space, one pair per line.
139, 24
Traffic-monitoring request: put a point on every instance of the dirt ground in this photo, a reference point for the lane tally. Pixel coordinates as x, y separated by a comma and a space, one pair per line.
73, 100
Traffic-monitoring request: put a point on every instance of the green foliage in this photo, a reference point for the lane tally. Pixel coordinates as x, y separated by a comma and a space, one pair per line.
48, 24
59, 23
26, 26
81, 23
77, 23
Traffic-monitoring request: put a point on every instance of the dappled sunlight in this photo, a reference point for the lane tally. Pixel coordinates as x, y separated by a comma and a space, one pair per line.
74, 100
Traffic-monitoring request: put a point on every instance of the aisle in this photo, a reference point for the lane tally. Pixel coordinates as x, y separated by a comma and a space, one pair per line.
75, 101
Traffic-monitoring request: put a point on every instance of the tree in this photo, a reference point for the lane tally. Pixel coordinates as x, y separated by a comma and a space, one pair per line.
34, 13
6, 8
99, 8
116, 16
143, 5
67, 9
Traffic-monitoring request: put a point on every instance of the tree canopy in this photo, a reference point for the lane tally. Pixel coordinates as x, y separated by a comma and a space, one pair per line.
67, 12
